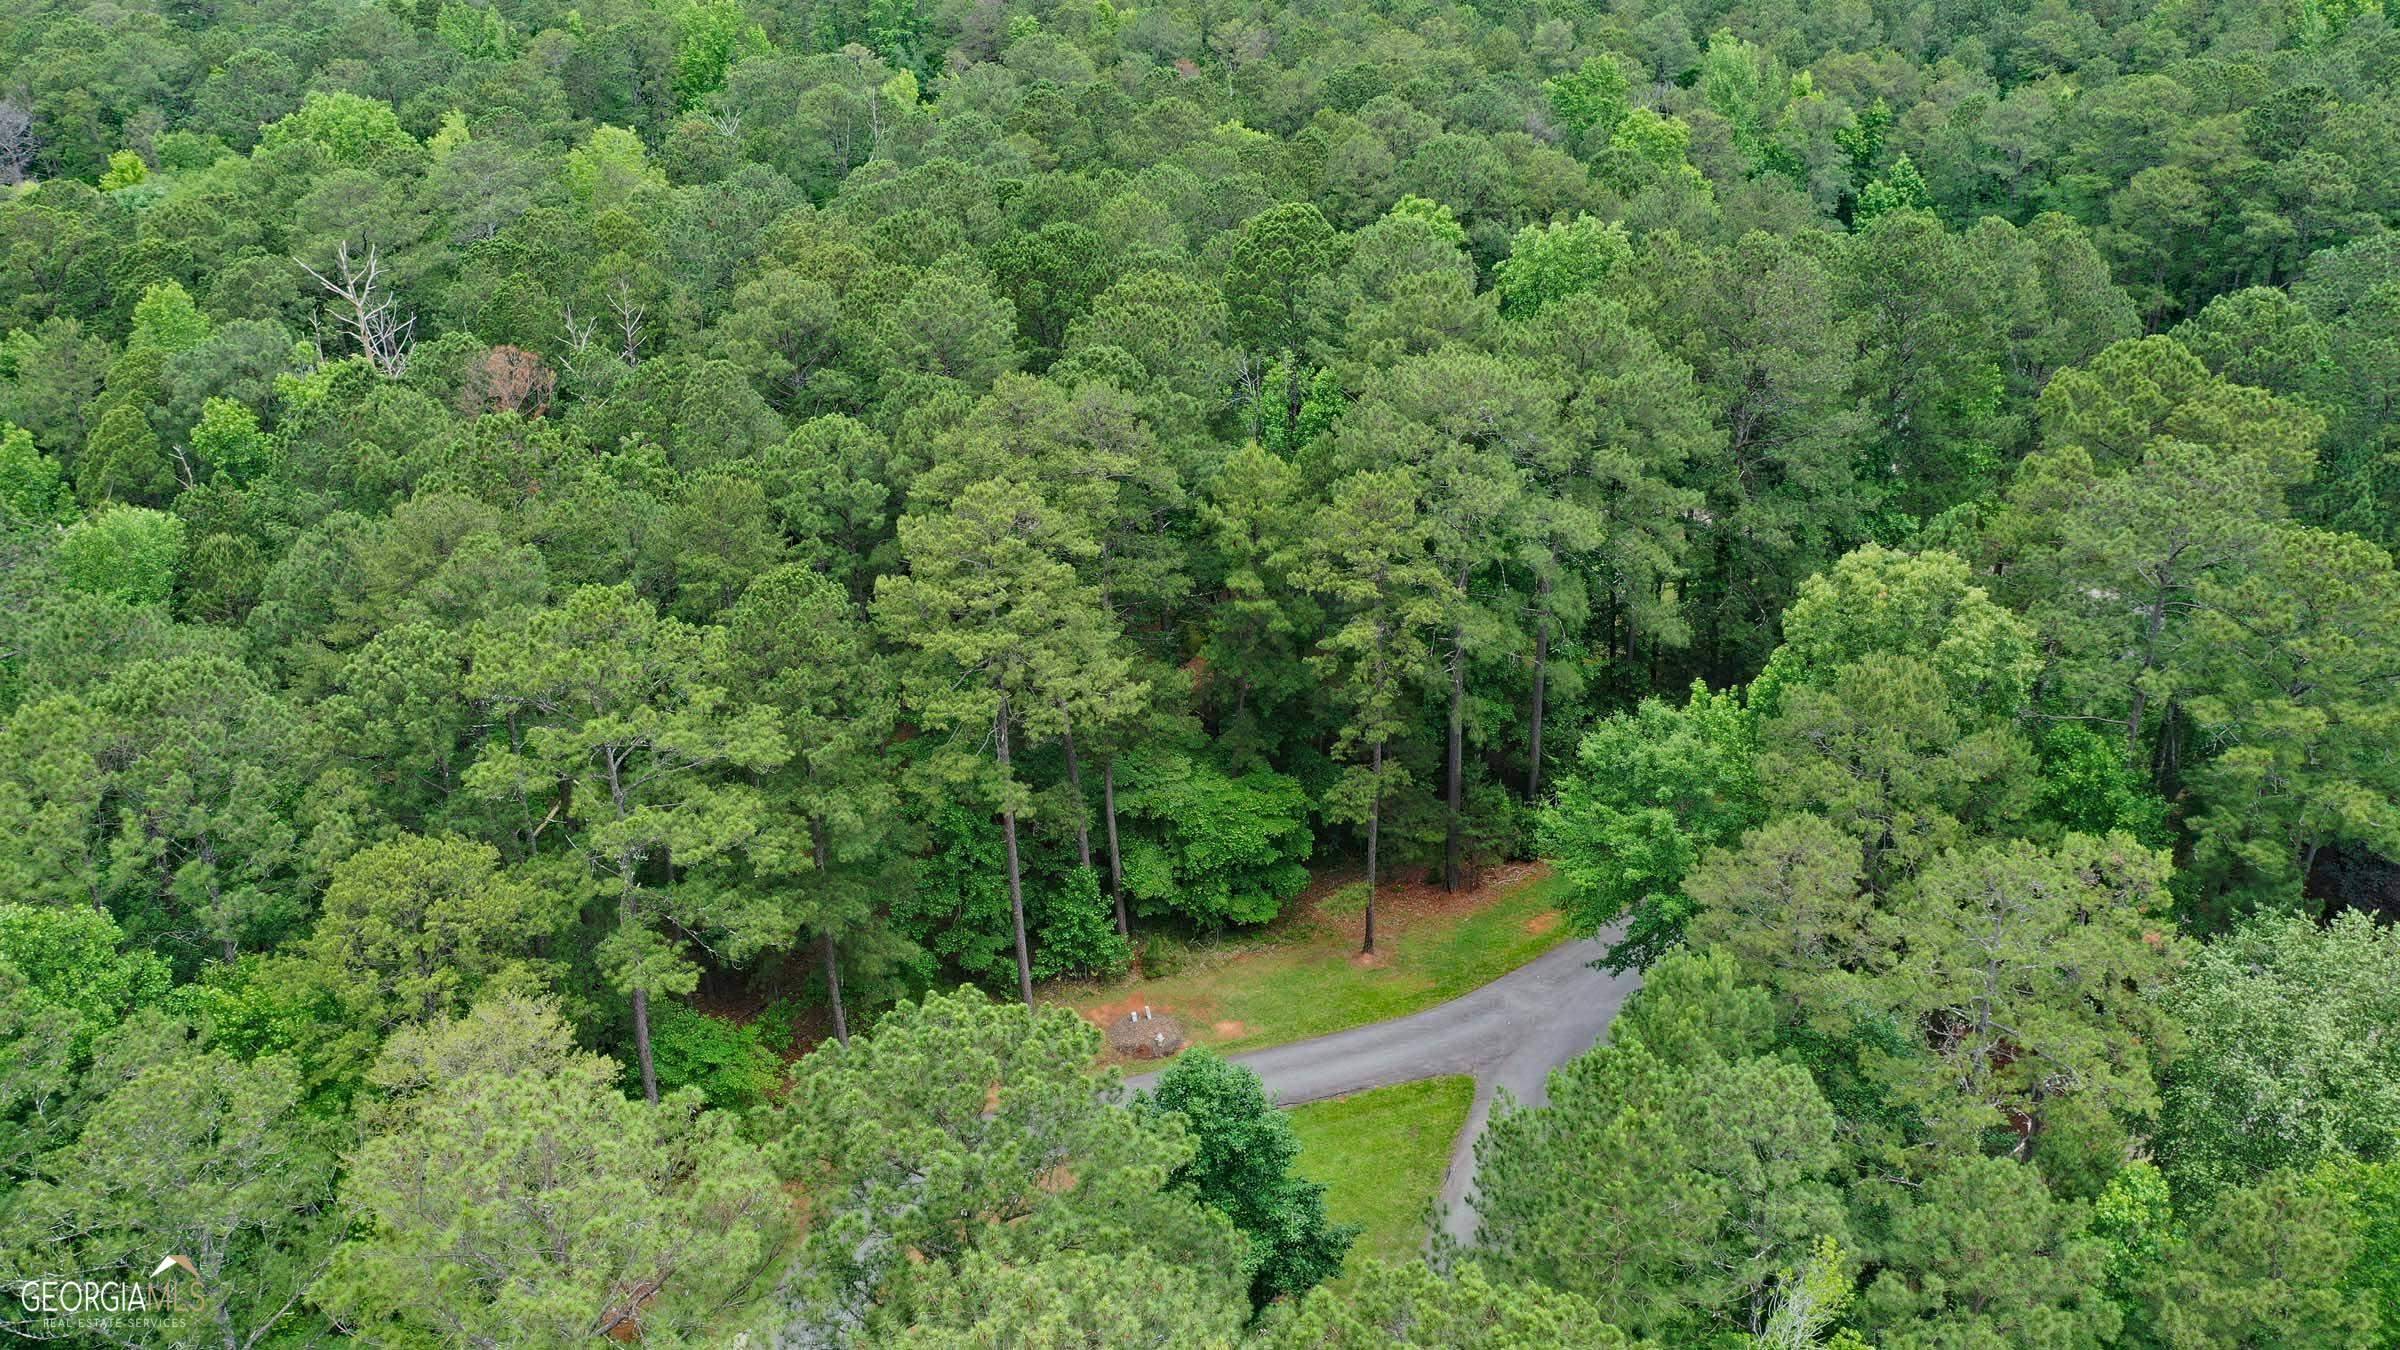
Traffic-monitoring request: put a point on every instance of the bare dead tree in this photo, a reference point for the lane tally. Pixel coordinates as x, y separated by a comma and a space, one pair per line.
368, 308
18, 143
578, 334
869, 90
630, 312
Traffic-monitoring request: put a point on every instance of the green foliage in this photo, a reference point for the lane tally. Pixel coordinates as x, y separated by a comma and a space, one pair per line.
958, 906
1863, 140
2088, 788
1901, 188
2135, 1216
477, 32
1073, 1298
1659, 142
1811, 1300
2036, 965
498, 1135
197, 1153
1411, 1305
1216, 848
941, 1135
2275, 1074
729, 1064
710, 35
227, 439
65, 993
123, 461
821, 505
1985, 1255
69, 959
1656, 788
1242, 1167
621, 714
1924, 605
2371, 1191
166, 321
127, 553
348, 128
125, 169
1590, 102
1750, 88
2265, 1263
1280, 255
415, 929
1072, 922
611, 166
1546, 264
1675, 1170
32, 485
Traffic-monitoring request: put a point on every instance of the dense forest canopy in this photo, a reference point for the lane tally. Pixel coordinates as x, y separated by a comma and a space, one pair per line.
552, 557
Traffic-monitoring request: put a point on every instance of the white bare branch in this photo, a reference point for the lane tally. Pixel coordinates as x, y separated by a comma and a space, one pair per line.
18, 141
368, 308
630, 312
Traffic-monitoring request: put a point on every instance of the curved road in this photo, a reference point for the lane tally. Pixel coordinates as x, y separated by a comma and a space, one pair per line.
1509, 1034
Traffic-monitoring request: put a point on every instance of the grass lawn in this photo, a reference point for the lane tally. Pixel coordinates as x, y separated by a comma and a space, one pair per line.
1381, 1155
1302, 975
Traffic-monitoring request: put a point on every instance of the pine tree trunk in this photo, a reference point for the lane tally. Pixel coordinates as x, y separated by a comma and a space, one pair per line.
631, 915
641, 1001
833, 960
1374, 830
1454, 846
216, 901
1293, 395
641, 1044
1016, 877
1116, 860
1083, 823
2153, 625
1541, 681
833, 990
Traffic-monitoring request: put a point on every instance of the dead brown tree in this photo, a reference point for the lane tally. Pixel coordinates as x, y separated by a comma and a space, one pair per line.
507, 379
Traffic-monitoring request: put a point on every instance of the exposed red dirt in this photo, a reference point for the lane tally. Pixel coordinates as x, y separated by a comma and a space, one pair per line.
1409, 898
1107, 1014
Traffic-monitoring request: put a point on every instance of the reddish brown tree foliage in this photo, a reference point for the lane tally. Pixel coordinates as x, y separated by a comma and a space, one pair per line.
508, 379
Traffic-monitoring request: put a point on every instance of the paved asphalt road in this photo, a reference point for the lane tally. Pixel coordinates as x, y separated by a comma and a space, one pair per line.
1509, 1034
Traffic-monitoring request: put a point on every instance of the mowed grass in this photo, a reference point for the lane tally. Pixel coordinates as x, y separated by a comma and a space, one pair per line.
1303, 977
1382, 1155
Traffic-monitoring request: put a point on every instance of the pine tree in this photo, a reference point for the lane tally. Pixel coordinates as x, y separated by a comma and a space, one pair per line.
619, 733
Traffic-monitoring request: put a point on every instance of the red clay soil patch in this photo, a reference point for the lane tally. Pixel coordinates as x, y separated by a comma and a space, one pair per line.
1411, 897
1106, 1015
1112, 1014
1371, 960
1541, 923
1229, 1030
